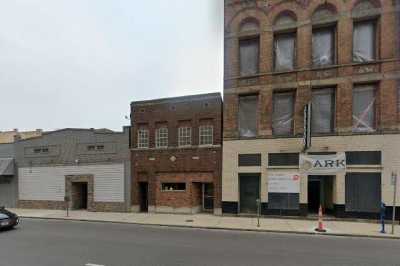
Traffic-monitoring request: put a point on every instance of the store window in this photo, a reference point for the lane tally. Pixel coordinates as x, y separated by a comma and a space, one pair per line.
363, 192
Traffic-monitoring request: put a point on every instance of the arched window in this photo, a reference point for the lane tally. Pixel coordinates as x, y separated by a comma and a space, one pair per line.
249, 47
285, 42
365, 15
324, 36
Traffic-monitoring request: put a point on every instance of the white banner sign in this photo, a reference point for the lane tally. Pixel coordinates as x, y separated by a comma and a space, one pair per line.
284, 183
323, 164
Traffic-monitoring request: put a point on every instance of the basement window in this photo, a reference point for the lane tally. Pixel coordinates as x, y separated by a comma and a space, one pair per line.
173, 186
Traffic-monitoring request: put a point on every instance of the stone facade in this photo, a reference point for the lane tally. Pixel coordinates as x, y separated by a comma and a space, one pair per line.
302, 17
193, 165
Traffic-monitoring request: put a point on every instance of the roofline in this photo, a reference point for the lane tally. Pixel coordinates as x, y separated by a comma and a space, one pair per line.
214, 95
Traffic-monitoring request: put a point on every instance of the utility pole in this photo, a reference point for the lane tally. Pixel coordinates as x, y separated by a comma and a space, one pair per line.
394, 182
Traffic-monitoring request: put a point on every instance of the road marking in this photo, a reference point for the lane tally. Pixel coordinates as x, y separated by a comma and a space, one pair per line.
91, 264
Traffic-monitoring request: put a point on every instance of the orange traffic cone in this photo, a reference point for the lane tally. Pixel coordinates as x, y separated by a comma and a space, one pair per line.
320, 227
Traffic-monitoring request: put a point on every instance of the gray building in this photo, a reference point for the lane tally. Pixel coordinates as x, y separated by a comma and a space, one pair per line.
90, 168
8, 177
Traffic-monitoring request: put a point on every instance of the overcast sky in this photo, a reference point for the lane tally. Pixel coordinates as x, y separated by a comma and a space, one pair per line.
79, 63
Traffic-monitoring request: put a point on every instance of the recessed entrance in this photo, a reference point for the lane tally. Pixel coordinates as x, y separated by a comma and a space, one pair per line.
249, 186
143, 192
320, 193
79, 195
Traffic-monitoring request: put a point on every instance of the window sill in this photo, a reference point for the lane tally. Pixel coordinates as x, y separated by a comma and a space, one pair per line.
283, 167
173, 191
360, 166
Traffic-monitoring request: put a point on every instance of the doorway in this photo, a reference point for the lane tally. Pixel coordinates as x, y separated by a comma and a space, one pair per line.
79, 195
143, 193
208, 197
249, 192
320, 193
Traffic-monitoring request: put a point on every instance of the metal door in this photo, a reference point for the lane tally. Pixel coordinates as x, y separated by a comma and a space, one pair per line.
249, 192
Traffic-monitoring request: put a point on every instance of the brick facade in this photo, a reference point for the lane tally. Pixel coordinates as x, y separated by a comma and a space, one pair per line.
193, 165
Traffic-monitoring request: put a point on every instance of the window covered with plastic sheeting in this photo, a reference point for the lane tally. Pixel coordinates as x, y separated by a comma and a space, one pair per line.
248, 116
364, 108
323, 45
249, 56
364, 41
282, 114
284, 51
323, 110
398, 92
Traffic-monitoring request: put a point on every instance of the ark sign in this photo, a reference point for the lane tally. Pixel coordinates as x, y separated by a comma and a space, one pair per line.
323, 164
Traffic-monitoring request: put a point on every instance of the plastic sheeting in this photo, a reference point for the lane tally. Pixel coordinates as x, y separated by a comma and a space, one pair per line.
323, 49
248, 116
364, 41
322, 111
282, 117
364, 109
284, 52
249, 53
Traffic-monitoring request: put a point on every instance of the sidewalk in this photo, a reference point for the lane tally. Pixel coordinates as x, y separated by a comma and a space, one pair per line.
208, 221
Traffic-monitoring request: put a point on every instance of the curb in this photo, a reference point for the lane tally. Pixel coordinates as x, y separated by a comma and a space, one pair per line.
221, 228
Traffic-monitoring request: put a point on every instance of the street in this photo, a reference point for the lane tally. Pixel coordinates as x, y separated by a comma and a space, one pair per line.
66, 243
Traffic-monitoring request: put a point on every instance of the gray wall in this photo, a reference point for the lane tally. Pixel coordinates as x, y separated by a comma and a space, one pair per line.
8, 185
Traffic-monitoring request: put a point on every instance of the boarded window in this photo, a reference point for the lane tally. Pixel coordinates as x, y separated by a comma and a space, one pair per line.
143, 138
363, 192
250, 159
185, 136
173, 186
284, 51
323, 110
283, 111
249, 56
162, 137
283, 159
283, 201
248, 116
364, 108
364, 41
206, 134
323, 45
364, 157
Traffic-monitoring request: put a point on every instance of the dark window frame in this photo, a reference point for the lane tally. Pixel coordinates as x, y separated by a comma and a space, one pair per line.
273, 162
245, 160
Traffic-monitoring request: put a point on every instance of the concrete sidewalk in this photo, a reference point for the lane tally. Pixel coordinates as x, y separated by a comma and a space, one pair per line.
338, 228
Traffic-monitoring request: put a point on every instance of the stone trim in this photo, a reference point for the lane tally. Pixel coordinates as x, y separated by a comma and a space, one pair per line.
70, 179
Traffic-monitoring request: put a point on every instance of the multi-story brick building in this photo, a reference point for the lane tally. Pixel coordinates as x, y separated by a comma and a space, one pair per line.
176, 154
343, 58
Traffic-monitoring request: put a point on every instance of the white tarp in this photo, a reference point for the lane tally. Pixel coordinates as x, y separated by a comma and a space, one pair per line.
284, 183
322, 164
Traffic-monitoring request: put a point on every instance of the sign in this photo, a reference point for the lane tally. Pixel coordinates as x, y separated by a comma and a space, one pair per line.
284, 183
323, 164
307, 127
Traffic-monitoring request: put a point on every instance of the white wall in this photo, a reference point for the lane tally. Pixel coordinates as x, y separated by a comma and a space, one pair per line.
48, 183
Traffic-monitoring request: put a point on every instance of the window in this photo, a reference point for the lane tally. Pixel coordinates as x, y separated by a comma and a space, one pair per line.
173, 186
37, 150
40, 150
282, 113
364, 108
283, 159
91, 147
323, 45
248, 116
100, 147
323, 111
185, 136
249, 56
249, 159
162, 137
284, 51
363, 192
206, 135
363, 158
143, 138
364, 41
283, 201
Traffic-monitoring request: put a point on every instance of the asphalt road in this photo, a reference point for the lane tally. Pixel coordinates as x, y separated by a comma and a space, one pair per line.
56, 243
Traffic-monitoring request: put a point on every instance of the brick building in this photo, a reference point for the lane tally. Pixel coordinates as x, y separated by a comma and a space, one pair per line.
176, 154
343, 58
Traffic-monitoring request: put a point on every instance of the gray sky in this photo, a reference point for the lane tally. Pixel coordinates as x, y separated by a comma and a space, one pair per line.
79, 63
